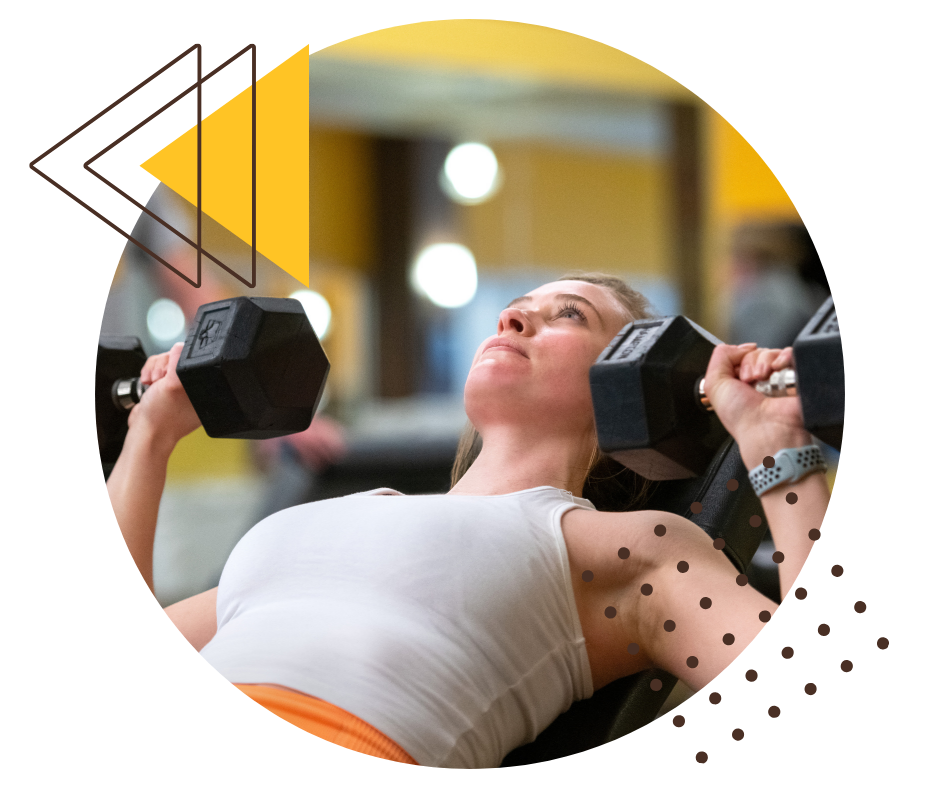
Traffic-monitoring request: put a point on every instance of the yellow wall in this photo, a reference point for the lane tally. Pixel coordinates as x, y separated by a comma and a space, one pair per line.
565, 207
739, 187
341, 223
512, 50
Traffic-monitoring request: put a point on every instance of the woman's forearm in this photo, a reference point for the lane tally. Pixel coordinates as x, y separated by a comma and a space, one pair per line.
135, 488
790, 523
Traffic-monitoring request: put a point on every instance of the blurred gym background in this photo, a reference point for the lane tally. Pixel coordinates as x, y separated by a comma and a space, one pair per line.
453, 167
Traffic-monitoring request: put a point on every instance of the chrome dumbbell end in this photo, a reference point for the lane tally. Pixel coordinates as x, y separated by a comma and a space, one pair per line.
780, 384
125, 394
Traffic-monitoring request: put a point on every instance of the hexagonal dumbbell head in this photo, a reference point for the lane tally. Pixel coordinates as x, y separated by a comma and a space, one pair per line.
645, 402
253, 368
820, 375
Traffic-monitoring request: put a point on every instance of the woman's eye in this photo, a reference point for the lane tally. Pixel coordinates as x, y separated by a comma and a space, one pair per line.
571, 311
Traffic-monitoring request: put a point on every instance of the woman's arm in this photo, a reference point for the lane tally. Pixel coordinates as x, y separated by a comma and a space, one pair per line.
762, 426
195, 618
163, 416
713, 618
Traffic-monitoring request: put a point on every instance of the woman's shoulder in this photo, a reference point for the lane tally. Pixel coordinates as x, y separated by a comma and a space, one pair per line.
643, 532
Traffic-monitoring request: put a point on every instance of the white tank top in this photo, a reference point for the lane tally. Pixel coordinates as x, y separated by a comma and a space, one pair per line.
446, 622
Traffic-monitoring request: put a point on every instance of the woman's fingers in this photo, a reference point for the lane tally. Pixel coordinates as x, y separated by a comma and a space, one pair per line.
784, 359
156, 367
153, 369
726, 359
761, 362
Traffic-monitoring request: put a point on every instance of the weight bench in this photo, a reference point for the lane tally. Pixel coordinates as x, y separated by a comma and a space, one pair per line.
628, 703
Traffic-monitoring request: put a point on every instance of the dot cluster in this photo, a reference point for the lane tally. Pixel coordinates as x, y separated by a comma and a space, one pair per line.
787, 653
728, 638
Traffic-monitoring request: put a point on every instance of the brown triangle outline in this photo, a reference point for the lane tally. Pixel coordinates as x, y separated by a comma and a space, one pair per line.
198, 243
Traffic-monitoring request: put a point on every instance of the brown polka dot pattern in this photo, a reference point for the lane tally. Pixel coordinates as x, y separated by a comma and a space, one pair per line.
792, 498
610, 612
623, 552
633, 649
587, 575
728, 638
814, 534
696, 508
755, 520
660, 530
769, 462
732, 484
646, 589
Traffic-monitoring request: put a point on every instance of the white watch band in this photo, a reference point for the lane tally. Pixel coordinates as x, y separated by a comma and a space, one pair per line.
789, 466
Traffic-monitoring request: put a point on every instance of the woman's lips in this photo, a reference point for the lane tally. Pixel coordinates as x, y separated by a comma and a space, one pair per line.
502, 344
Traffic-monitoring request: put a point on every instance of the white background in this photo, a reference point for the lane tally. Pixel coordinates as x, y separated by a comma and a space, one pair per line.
840, 100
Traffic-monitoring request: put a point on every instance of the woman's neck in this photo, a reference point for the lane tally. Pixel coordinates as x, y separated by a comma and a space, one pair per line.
514, 459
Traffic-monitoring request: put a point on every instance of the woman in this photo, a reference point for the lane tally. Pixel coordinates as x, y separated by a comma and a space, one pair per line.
447, 630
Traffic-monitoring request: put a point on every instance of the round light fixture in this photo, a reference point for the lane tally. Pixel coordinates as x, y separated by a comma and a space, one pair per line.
471, 173
165, 321
318, 310
446, 273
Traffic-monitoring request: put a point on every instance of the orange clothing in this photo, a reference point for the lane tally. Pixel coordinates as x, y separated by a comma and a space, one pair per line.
326, 721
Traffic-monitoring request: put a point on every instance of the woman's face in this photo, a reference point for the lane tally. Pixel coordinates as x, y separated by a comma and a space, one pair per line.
536, 367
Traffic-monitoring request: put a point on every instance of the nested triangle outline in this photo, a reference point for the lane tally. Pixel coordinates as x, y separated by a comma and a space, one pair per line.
198, 87
197, 245
86, 206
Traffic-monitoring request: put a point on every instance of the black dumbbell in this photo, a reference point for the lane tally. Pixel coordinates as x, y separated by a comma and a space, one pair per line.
251, 367
648, 403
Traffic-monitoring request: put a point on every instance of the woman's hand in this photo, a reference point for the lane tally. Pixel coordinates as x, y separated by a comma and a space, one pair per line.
164, 408
761, 425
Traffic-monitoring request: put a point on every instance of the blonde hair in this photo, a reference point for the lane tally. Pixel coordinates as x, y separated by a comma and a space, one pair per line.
607, 484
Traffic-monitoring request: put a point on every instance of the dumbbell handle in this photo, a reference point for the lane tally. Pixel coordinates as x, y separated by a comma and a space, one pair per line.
781, 383
126, 393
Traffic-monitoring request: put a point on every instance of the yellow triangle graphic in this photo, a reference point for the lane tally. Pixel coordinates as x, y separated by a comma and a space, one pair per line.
283, 165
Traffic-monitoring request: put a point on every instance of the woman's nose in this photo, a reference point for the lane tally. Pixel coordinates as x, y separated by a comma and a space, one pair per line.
516, 321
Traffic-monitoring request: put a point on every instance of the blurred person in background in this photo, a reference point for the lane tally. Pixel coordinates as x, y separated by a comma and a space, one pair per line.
777, 283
